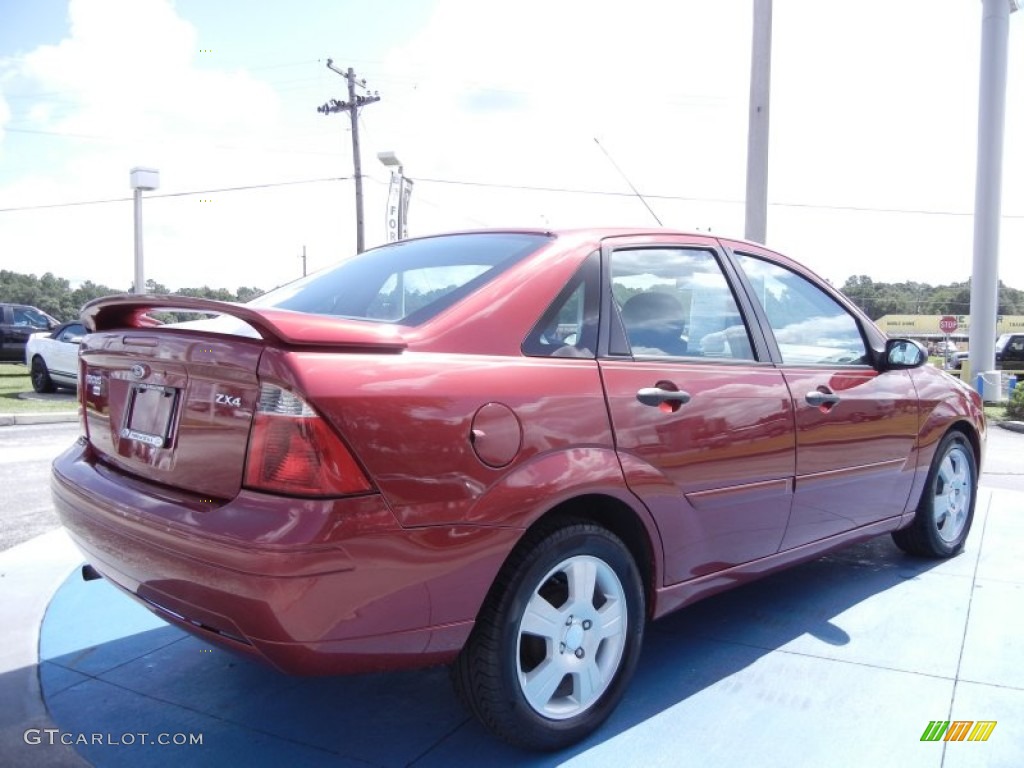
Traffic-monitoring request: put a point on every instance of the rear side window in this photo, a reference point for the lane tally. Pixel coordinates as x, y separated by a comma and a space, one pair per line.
676, 302
407, 282
73, 334
569, 326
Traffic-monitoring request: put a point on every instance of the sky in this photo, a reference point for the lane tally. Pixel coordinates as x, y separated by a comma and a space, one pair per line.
493, 108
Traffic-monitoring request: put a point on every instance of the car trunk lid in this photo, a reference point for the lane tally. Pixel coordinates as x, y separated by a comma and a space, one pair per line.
175, 405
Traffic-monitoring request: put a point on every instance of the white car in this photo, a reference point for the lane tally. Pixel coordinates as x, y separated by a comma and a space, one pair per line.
52, 357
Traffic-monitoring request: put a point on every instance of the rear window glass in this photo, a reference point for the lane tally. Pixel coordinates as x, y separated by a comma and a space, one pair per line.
407, 282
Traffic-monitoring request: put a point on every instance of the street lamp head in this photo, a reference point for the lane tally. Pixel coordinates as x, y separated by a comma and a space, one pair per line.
389, 159
146, 179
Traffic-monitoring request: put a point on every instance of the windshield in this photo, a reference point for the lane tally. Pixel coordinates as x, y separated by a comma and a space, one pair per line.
407, 282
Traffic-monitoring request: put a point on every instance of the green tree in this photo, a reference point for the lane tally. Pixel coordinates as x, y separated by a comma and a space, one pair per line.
244, 294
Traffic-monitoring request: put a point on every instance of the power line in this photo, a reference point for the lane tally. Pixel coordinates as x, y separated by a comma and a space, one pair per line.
232, 147
610, 193
527, 188
175, 194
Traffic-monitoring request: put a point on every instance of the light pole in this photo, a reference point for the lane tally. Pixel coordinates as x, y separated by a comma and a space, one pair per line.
397, 211
995, 30
142, 179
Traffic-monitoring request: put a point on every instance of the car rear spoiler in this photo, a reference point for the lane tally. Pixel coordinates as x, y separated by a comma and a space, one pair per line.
281, 327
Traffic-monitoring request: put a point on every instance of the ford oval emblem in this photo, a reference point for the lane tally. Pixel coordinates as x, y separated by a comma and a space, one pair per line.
139, 371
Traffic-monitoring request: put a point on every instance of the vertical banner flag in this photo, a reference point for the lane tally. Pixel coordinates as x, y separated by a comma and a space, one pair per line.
403, 218
392, 213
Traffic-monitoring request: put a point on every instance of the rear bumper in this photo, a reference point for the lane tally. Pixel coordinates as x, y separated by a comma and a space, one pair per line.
311, 586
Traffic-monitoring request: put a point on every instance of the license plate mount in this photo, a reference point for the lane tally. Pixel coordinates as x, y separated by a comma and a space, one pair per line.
150, 414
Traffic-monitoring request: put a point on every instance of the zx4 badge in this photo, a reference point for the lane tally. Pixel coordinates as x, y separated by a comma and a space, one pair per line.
223, 399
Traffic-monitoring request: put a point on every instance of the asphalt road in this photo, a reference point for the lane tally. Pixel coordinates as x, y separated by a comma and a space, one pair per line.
26, 453
25, 456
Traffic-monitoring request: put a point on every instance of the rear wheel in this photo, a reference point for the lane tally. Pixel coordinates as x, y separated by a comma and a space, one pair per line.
946, 510
40, 375
557, 639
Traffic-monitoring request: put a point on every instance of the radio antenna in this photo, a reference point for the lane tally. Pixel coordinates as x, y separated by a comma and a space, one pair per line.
624, 176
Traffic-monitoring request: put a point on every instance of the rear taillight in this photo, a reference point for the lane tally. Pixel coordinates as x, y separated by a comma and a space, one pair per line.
293, 451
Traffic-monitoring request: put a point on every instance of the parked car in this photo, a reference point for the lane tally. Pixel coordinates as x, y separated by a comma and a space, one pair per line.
1009, 353
505, 451
52, 357
17, 323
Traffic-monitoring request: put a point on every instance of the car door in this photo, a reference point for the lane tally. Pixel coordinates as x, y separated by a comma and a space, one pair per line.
703, 422
64, 357
856, 427
8, 349
24, 322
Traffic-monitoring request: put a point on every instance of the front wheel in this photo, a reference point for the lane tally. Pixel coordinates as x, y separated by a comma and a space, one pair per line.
557, 640
946, 510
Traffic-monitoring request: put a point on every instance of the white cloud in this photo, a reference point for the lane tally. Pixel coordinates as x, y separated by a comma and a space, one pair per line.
136, 93
873, 106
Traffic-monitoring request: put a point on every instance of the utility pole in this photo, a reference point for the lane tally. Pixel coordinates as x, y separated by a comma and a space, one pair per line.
352, 106
303, 261
756, 223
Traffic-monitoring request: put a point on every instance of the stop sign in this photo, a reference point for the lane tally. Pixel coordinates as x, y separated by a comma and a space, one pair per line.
948, 324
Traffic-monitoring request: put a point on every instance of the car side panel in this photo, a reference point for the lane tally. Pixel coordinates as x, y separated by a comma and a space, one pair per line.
943, 407
61, 359
716, 473
65, 359
855, 459
410, 421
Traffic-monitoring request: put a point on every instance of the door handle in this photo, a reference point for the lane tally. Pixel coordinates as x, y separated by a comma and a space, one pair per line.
655, 396
818, 398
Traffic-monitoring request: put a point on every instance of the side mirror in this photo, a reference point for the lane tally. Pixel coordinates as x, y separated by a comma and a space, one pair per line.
903, 353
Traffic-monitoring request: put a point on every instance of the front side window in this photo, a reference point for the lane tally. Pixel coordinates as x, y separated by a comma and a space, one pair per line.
676, 302
33, 318
407, 282
810, 327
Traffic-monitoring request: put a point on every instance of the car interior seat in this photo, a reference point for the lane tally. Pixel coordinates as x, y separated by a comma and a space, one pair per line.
654, 323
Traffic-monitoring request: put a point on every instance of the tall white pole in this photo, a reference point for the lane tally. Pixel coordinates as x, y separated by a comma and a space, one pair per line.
140, 279
756, 225
141, 179
995, 32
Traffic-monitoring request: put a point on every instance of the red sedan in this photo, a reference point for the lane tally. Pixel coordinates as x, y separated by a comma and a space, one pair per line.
503, 450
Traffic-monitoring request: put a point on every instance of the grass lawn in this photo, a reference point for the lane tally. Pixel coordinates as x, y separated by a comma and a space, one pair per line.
14, 380
995, 412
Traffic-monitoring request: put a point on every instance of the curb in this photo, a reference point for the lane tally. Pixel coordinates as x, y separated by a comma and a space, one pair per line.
57, 417
1013, 426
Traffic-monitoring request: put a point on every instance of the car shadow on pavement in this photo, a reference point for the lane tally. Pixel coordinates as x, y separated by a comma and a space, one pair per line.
161, 680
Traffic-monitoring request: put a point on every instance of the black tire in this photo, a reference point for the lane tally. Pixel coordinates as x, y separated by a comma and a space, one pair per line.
499, 673
946, 510
40, 375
